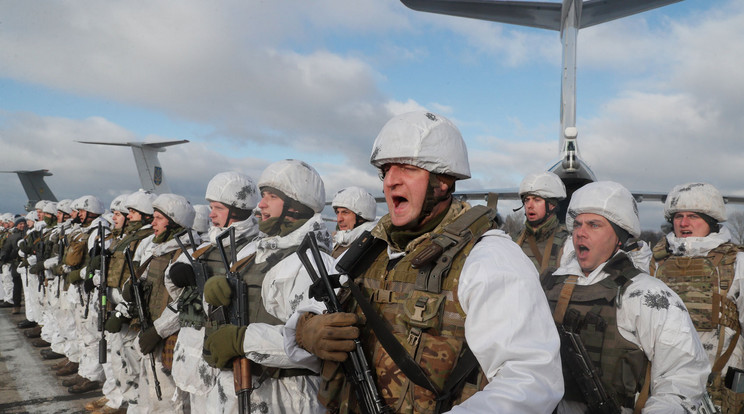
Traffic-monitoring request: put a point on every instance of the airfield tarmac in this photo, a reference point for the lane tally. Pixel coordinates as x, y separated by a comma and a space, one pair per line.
27, 383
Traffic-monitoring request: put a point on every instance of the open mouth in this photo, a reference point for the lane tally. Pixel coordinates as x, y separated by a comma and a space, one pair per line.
685, 233
399, 201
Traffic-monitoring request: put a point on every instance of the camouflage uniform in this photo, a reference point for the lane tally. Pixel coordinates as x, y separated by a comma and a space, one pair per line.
544, 244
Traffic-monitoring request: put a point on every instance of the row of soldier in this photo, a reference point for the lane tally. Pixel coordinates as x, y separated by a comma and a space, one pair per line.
448, 311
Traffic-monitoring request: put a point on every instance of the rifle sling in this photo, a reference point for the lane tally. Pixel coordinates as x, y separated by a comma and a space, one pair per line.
403, 359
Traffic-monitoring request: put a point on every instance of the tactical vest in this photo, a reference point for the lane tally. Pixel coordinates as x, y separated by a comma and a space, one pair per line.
77, 249
622, 364
702, 282
253, 277
156, 295
118, 272
545, 249
426, 317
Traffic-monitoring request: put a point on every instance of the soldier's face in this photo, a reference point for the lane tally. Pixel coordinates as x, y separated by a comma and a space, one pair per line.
60, 216
159, 223
346, 219
689, 224
119, 219
21, 226
594, 241
218, 214
134, 215
270, 205
405, 191
535, 208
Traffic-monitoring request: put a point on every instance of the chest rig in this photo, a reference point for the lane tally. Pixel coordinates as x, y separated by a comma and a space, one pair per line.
544, 246
591, 311
117, 266
416, 296
155, 293
703, 282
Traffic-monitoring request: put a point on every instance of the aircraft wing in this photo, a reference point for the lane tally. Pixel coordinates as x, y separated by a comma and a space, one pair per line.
600, 11
543, 15
524, 13
137, 144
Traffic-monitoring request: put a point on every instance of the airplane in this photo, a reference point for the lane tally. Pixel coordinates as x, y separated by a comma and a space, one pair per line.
34, 186
150, 172
566, 18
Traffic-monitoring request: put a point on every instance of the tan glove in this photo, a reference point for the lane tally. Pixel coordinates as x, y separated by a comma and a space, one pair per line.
329, 336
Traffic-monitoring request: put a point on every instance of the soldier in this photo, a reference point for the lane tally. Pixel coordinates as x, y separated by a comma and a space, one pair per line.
134, 215
543, 236
27, 286
698, 261
293, 195
356, 211
621, 329
172, 214
487, 305
77, 259
232, 196
9, 256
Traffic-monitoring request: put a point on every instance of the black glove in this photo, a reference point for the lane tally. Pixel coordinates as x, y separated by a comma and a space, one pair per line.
148, 340
127, 292
182, 275
95, 262
88, 285
114, 322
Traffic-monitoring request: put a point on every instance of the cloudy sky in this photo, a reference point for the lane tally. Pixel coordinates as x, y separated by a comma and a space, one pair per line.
660, 94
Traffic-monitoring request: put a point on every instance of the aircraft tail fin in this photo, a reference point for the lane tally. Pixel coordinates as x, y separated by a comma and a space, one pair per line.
34, 186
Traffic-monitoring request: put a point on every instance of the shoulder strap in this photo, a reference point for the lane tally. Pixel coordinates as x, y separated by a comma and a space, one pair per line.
240, 264
444, 246
199, 252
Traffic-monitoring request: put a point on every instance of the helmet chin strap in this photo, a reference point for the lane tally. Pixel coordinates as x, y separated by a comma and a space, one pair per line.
430, 201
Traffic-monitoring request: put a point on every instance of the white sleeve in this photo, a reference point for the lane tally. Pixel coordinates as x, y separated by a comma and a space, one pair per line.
510, 330
167, 324
655, 318
284, 288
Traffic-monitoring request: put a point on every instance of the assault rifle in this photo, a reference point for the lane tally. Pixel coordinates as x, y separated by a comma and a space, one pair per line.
355, 367
142, 314
237, 314
200, 270
40, 259
581, 368
60, 252
102, 297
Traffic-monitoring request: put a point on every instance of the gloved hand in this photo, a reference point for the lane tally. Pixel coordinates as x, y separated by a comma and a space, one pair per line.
36, 268
31, 260
148, 340
73, 276
95, 262
88, 285
126, 292
223, 345
58, 270
114, 322
329, 336
217, 291
182, 275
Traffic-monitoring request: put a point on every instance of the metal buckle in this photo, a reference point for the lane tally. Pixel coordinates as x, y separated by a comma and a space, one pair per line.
414, 335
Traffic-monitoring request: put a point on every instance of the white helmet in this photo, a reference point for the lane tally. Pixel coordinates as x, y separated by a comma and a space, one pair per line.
356, 199
545, 184
90, 204
64, 206
201, 220
608, 199
696, 197
117, 204
297, 180
40, 205
176, 208
424, 140
141, 201
50, 208
233, 189
32, 216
